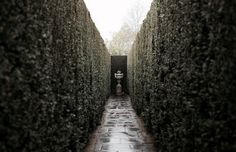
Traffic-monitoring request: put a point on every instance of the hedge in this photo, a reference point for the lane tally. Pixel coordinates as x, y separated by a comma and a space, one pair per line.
182, 75
54, 69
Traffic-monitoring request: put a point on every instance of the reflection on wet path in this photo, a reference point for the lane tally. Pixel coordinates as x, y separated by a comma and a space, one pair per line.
121, 130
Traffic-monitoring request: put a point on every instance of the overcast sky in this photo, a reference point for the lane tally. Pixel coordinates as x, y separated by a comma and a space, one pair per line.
110, 15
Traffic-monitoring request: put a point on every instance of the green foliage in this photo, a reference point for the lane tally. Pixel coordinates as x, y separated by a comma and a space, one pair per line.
53, 76
182, 75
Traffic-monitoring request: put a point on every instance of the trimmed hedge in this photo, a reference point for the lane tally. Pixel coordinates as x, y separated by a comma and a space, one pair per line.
182, 75
54, 69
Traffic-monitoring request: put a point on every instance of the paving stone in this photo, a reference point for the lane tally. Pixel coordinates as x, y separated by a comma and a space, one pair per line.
121, 130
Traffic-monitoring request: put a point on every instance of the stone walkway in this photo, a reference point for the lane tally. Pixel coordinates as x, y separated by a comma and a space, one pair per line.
121, 130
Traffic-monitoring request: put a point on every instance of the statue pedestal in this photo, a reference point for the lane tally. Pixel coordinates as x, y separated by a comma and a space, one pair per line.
118, 88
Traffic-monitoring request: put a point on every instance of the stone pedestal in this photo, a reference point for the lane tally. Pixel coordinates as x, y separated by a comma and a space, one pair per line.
118, 88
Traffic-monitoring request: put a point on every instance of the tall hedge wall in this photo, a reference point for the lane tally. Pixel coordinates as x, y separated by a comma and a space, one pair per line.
182, 75
54, 69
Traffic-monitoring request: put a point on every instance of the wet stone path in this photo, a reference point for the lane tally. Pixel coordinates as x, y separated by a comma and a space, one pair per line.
121, 130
